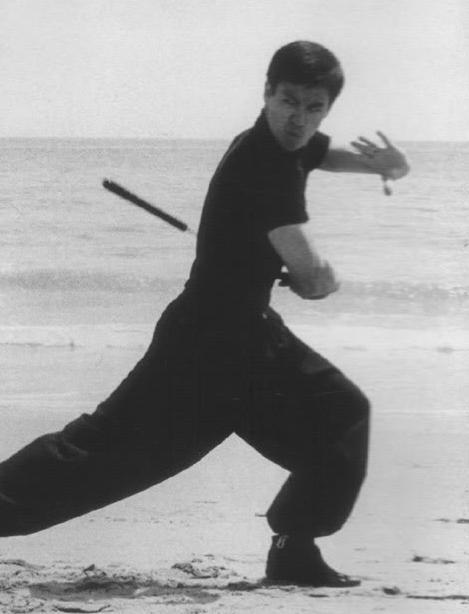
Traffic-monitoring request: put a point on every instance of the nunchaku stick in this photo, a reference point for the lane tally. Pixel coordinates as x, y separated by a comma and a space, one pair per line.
117, 189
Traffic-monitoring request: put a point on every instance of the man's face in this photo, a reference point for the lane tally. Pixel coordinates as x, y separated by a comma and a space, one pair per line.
294, 112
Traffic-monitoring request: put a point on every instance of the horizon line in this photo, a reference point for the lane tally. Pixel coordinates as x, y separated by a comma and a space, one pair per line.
181, 138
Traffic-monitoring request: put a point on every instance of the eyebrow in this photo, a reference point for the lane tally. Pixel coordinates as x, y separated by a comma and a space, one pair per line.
290, 95
315, 104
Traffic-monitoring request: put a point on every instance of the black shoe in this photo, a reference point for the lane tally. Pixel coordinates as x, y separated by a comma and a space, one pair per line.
295, 560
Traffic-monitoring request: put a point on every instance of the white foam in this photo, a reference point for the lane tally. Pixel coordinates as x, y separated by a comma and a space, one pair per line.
373, 337
324, 336
108, 335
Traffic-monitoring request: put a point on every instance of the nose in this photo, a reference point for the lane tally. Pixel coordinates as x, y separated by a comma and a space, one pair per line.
298, 117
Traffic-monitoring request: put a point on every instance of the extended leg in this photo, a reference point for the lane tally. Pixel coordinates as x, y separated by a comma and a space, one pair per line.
158, 422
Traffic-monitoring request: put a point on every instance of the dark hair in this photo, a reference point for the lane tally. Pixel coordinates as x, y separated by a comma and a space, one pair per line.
306, 63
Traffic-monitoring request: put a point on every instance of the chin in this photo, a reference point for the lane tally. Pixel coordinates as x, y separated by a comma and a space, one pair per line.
289, 142
293, 145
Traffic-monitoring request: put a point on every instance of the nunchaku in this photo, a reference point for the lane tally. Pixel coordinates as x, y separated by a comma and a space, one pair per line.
117, 189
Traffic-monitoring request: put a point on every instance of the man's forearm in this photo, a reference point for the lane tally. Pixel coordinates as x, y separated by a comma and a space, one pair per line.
366, 156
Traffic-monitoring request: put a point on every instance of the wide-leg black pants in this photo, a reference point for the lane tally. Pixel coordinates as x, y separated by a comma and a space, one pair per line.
199, 382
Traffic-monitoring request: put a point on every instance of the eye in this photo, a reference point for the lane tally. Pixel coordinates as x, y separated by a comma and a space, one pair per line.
289, 102
315, 109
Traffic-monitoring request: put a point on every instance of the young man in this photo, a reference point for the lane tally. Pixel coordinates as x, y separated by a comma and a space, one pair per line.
221, 361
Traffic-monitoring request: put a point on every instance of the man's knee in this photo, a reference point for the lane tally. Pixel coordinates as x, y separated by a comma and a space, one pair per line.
342, 398
359, 404
355, 437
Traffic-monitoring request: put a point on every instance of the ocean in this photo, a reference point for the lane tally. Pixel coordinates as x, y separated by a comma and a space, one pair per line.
77, 263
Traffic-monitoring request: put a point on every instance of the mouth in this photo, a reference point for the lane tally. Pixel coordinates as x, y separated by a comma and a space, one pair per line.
294, 133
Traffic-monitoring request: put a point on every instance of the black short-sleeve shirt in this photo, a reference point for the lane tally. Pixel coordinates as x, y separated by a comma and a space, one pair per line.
257, 186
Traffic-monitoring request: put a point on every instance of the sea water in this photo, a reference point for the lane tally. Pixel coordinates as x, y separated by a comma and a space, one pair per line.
77, 263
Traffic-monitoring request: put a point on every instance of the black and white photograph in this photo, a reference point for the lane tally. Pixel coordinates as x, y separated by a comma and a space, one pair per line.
234, 298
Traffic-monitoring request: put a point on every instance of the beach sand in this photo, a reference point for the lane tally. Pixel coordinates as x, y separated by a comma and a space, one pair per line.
197, 543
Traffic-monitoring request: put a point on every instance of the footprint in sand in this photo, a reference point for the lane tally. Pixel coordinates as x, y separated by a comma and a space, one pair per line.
427, 559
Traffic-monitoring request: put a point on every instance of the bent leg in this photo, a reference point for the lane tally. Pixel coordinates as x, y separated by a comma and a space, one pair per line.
320, 493
309, 418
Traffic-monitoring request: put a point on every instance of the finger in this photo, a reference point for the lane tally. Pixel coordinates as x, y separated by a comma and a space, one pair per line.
327, 268
330, 278
318, 297
364, 149
333, 278
384, 138
326, 292
368, 142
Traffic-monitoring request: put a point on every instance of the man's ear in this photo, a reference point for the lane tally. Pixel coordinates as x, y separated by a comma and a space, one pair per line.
268, 90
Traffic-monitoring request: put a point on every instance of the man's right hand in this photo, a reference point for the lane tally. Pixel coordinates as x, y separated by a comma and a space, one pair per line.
322, 282
309, 275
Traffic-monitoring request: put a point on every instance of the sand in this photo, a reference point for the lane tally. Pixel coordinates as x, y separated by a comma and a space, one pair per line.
197, 543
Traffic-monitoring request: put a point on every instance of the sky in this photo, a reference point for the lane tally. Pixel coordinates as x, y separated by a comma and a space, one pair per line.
196, 68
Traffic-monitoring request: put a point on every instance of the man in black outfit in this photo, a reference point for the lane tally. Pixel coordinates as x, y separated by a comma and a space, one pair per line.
221, 360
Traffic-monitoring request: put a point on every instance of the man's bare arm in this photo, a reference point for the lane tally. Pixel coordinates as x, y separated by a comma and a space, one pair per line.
365, 156
310, 276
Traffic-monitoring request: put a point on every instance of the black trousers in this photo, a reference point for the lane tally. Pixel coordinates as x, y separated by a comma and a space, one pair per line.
197, 384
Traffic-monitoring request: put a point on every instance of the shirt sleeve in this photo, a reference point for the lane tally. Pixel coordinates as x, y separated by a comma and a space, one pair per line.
316, 150
272, 208
277, 195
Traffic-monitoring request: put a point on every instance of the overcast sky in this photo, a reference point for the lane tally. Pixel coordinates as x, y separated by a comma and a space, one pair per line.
196, 68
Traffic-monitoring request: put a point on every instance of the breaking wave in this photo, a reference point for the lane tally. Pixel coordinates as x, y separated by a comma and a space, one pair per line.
64, 280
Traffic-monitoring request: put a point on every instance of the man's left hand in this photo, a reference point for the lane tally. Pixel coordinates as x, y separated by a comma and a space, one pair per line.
386, 160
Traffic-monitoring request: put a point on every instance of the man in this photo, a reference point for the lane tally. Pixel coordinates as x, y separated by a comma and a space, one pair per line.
221, 361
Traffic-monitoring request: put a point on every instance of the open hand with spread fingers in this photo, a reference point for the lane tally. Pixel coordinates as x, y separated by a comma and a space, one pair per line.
385, 159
